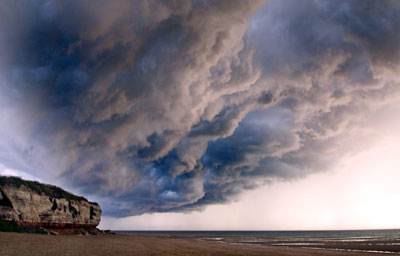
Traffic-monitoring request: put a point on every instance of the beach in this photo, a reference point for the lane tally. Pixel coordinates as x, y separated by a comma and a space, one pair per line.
34, 244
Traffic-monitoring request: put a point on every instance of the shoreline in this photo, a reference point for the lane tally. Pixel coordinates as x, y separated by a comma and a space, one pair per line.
351, 241
120, 244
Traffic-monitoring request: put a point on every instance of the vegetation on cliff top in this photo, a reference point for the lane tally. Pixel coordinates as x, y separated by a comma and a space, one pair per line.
49, 190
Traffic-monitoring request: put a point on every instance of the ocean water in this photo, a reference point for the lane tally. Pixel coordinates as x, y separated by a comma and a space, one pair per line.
376, 241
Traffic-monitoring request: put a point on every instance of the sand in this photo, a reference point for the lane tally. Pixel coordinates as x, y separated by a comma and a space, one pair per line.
33, 244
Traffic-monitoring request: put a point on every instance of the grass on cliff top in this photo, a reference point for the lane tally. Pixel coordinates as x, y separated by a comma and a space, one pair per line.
49, 190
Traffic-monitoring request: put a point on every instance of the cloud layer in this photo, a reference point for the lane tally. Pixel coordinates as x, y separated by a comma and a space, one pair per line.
154, 106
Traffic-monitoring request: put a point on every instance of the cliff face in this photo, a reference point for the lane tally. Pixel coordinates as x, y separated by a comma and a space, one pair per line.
33, 203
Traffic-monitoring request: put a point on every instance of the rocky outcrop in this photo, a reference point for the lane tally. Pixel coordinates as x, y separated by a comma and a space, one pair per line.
31, 203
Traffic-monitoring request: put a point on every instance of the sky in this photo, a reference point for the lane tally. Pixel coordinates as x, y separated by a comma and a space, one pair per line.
233, 115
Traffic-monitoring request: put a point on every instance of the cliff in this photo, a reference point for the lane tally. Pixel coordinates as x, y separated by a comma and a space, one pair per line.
31, 203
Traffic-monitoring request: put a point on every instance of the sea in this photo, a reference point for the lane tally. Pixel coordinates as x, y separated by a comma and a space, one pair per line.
381, 242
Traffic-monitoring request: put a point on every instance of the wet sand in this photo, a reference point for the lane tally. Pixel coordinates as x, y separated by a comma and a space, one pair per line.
34, 244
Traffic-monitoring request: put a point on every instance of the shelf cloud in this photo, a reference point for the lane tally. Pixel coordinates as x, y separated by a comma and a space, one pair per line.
157, 106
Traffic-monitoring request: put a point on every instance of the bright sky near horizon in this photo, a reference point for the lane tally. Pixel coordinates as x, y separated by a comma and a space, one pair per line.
229, 114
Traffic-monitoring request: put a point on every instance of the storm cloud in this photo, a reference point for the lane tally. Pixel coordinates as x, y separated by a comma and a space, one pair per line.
156, 106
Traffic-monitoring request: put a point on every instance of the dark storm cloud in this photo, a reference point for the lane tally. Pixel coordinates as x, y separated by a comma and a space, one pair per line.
154, 106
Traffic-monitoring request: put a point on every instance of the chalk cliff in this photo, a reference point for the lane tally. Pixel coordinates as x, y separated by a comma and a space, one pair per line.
34, 203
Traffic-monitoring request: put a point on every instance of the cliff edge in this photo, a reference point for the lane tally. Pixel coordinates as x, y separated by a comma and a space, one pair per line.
31, 203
